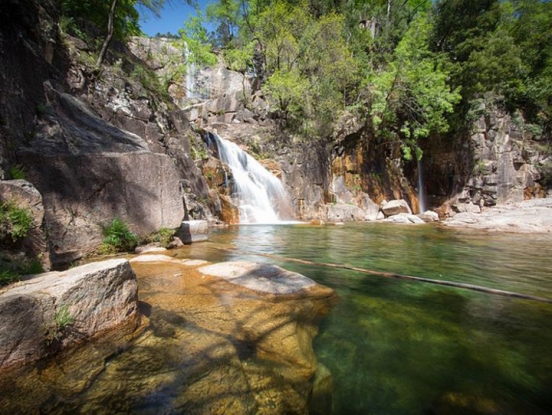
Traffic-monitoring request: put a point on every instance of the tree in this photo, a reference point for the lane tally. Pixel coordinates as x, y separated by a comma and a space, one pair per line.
197, 42
226, 14
411, 97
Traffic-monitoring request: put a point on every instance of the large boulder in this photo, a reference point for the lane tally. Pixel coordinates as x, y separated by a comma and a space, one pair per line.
90, 172
238, 334
394, 207
83, 193
59, 309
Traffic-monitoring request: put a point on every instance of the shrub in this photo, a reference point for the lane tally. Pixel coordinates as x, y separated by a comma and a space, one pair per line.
118, 238
15, 222
164, 236
7, 276
17, 172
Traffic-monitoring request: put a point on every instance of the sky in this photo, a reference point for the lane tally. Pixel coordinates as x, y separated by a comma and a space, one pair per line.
172, 17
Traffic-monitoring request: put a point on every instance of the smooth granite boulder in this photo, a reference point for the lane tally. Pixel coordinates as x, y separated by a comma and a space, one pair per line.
59, 309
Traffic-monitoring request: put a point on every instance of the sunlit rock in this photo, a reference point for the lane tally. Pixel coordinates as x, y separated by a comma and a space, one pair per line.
404, 218
429, 216
59, 309
395, 207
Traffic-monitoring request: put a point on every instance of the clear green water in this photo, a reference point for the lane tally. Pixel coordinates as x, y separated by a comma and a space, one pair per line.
402, 347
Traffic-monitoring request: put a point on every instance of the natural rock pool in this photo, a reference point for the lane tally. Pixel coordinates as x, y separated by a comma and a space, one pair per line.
402, 347
393, 346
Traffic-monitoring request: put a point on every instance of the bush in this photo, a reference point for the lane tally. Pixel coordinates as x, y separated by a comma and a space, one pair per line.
118, 238
7, 276
17, 172
15, 223
164, 236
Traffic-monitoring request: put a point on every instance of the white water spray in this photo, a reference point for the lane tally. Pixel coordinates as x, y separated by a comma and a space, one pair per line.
421, 193
260, 196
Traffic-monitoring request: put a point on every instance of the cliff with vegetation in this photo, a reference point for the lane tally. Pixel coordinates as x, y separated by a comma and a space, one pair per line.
347, 104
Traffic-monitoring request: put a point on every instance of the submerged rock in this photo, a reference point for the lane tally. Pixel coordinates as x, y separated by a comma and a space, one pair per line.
228, 338
59, 309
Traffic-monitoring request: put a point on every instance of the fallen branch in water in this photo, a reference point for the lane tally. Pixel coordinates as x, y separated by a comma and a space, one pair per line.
399, 276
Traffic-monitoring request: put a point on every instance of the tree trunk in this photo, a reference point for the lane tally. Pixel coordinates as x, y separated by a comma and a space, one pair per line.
109, 36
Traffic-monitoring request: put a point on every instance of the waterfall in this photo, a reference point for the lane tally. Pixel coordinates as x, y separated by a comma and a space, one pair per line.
191, 71
421, 193
260, 196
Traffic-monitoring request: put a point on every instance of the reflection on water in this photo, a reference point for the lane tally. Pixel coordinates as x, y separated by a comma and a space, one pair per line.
401, 347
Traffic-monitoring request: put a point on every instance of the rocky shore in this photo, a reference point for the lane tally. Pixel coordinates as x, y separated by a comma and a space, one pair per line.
529, 216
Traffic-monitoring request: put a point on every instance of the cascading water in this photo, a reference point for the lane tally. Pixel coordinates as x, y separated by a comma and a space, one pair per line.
260, 196
191, 71
421, 193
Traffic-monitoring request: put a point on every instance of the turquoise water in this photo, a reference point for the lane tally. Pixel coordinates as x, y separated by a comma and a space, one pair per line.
403, 347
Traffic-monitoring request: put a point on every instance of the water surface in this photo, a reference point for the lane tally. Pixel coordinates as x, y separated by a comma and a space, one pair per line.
403, 347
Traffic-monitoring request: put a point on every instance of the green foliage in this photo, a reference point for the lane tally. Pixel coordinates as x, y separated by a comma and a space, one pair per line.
225, 14
17, 172
196, 38
8, 276
289, 89
63, 318
410, 99
15, 223
79, 16
164, 236
118, 238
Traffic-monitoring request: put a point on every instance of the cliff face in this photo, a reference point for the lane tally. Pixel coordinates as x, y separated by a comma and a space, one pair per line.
501, 161
95, 145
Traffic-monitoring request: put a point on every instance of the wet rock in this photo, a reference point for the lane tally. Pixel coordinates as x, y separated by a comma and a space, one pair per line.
144, 249
60, 309
283, 328
241, 339
322, 391
394, 207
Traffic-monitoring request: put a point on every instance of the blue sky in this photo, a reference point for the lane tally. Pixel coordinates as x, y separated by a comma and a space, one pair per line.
172, 17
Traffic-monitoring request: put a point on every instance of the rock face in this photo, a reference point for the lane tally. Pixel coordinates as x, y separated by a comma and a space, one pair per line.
59, 309
82, 193
501, 162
